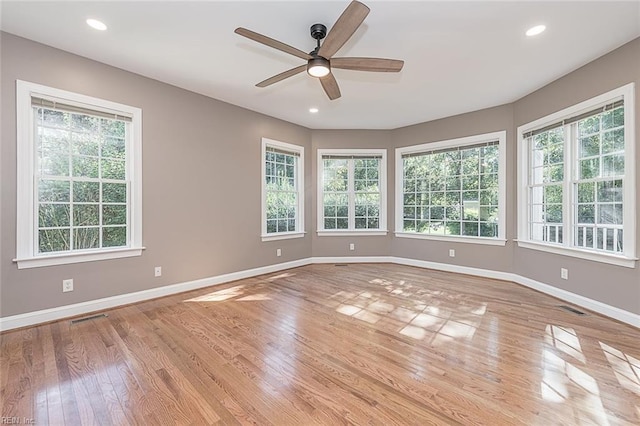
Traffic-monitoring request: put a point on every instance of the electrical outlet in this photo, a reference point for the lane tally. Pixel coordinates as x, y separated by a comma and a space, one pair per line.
564, 273
452, 253
157, 271
278, 252
67, 285
352, 246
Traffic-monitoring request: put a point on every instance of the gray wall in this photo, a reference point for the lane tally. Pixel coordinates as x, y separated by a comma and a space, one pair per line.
201, 183
202, 207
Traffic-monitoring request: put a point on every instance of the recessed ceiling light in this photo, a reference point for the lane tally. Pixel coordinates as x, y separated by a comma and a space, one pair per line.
313, 110
95, 24
534, 31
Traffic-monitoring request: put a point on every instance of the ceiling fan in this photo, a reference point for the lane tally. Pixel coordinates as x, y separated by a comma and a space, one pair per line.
320, 61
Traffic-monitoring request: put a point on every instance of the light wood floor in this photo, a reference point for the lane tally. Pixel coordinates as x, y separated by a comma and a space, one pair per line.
325, 344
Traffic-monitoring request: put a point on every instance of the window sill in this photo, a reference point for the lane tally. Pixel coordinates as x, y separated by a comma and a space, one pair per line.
282, 236
627, 262
454, 239
352, 233
79, 257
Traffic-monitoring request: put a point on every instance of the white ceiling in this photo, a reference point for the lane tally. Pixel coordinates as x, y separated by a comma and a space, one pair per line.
459, 56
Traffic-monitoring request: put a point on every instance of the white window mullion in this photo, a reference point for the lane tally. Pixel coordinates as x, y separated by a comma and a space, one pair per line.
351, 190
569, 189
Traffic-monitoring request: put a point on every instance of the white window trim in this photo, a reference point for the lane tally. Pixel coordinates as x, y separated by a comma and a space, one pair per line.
382, 230
501, 137
628, 258
299, 233
26, 256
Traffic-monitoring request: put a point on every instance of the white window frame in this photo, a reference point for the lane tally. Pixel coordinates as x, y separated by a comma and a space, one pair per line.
26, 221
628, 258
296, 149
382, 229
501, 137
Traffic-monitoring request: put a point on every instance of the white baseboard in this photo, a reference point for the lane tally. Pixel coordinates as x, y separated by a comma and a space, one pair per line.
46, 315
487, 273
584, 302
593, 305
353, 259
53, 314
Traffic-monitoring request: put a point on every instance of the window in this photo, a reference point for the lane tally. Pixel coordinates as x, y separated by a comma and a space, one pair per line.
79, 178
452, 190
577, 180
351, 192
282, 190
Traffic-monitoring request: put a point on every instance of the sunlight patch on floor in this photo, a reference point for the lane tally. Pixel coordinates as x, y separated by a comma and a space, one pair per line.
280, 276
220, 295
563, 381
564, 339
625, 367
348, 309
254, 297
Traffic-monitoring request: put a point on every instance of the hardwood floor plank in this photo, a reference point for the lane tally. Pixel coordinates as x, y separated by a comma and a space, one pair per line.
362, 344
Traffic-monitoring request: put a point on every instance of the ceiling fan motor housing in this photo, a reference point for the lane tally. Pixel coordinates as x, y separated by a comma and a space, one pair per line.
318, 31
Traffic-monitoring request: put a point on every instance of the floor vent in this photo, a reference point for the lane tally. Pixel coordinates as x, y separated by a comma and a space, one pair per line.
341, 264
572, 310
75, 321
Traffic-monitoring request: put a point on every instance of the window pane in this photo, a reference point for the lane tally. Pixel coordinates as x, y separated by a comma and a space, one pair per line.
586, 192
114, 193
85, 167
53, 215
114, 215
86, 214
114, 236
609, 191
613, 141
589, 146
52, 240
53, 118
113, 147
113, 169
470, 229
86, 192
86, 144
53, 190
84, 122
86, 238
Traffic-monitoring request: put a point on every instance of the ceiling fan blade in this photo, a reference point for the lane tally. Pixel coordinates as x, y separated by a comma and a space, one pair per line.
268, 41
330, 86
343, 29
282, 76
368, 64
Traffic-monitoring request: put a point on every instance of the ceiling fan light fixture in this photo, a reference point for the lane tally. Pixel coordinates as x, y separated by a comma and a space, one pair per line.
318, 67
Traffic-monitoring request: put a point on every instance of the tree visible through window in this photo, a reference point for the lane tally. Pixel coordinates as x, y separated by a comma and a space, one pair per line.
451, 188
351, 190
579, 181
81, 181
282, 189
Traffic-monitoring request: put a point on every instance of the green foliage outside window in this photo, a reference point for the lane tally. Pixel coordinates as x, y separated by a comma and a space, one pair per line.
82, 187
